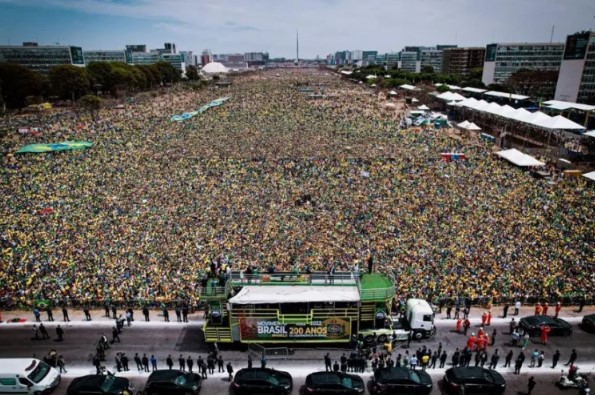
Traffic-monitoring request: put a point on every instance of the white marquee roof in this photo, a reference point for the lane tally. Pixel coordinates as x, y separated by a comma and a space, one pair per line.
254, 294
565, 105
506, 95
474, 90
590, 176
408, 87
519, 158
560, 123
591, 133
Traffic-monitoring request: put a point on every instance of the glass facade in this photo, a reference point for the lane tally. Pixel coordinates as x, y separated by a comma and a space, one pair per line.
511, 58
41, 58
104, 56
586, 93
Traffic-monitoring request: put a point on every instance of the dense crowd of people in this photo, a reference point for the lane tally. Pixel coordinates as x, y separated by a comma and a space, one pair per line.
277, 177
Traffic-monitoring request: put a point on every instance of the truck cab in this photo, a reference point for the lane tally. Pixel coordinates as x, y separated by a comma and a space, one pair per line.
27, 376
419, 318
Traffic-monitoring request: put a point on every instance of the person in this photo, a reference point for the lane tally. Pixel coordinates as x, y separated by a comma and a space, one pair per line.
459, 325
60, 333
220, 364
413, 361
505, 310
471, 341
229, 370
443, 357
97, 364
50, 313
545, 308
517, 307
518, 364
185, 313
182, 363
493, 339
44, 332
327, 362
35, 332
508, 359
118, 362
62, 364
434, 359
466, 326
555, 359
145, 361
37, 314
489, 318
544, 331
534, 357
456, 358
153, 362
581, 304
165, 314
189, 363
65, 314
525, 341
178, 313
115, 335
146, 313
484, 318
169, 362
336, 367
531, 385
250, 361
87, 314
138, 361
129, 317
540, 359
557, 309
494, 360
202, 366
124, 360
114, 311
263, 362
572, 359
448, 311
425, 359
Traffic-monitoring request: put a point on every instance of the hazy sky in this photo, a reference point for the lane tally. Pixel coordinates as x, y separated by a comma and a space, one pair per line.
325, 26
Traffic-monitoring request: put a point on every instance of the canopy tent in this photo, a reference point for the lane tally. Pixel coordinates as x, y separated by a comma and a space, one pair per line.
519, 158
452, 103
565, 105
346, 72
473, 126
423, 107
464, 125
590, 134
537, 118
449, 96
590, 176
493, 108
521, 115
469, 102
408, 87
504, 95
295, 294
392, 93
474, 90
507, 111
560, 123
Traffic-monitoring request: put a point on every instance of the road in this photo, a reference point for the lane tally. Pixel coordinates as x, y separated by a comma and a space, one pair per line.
161, 339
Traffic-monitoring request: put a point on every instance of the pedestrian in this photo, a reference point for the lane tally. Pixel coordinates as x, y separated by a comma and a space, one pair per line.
115, 335
534, 356
60, 333
128, 317
185, 313
178, 313
455, 358
229, 370
146, 313
65, 314
409, 337
336, 367
531, 385
544, 331
211, 364
138, 361
505, 310
189, 363
97, 364
494, 360
220, 367
114, 311
169, 362
62, 364
555, 359
50, 314
118, 362
518, 364
327, 362
182, 363
153, 363
545, 308
484, 318
434, 359
540, 359
87, 314
124, 360
525, 341
557, 309
165, 314
572, 358
250, 361
36, 314
508, 359
202, 367
466, 326
106, 308
263, 362
413, 361
493, 340
448, 311
443, 357
145, 360
517, 307
457, 311
581, 304
489, 319
44, 332
425, 359
459, 325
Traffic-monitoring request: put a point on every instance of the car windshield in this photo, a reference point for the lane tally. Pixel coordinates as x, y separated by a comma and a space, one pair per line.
107, 383
415, 377
488, 377
181, 380
39, 373
347, 382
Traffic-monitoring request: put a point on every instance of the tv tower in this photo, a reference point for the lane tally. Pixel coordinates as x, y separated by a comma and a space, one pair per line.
297, 47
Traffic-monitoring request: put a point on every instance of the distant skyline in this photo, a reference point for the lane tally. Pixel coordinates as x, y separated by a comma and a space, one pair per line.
325, 26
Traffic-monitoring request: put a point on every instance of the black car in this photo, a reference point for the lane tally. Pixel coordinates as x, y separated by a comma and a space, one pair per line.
334, 383
166, 382
473, 380
98, 384
256, 381
588, 323
532, 325
399, 380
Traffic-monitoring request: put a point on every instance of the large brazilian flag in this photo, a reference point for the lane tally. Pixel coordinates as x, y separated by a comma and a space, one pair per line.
64, 146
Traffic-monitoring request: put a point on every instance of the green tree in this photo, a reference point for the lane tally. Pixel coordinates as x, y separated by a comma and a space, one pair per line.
100, 73
68, 81
90, 103
192, 73
443, 88
427, 70
18, 82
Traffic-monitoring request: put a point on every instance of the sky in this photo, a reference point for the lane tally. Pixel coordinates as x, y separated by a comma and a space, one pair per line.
325, 26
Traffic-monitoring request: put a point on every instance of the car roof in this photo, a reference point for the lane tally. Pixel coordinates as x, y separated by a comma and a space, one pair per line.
468, 372
394, 373
260, 372
165, 375
329, 377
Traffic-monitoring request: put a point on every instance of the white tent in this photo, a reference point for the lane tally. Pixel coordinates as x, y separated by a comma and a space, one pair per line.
464, 125
590, 176
519, 158
561, 123
214, 68
254, 294
480, 105
408, 87
493, 108
537, 118
371, 77
451, 103
458, 97
507, 111
591, 133
521, 115
414, 100
423, 107
446, 96
469, 102
392, 93
473, 126
565, 105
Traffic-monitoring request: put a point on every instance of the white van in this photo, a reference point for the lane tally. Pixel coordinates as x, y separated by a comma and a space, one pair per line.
27, 376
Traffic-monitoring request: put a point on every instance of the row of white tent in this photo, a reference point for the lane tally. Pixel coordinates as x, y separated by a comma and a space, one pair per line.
538, 118
521, 159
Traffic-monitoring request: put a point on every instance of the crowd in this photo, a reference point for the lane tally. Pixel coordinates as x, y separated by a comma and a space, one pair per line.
274, 177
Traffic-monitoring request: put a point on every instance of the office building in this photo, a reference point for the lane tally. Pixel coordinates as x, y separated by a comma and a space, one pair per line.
176, 60
392, 60
431, 58
503, 60
369, 57
460, 61
410, 62
576, 80
170, 48
136, 48
357, 55
142, 58
189, 59
104, 56
206, 57
42, 58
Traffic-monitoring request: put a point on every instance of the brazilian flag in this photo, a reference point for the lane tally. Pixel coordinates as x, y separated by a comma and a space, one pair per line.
42, 304
63, 146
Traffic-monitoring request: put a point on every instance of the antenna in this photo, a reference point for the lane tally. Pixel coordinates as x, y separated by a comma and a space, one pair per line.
297, 45
552, 35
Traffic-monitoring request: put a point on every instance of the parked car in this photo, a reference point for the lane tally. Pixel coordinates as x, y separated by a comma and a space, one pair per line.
473, 380
331, 383
399, 380
252, 381
558, 326
173, 382
98, 384
588, 323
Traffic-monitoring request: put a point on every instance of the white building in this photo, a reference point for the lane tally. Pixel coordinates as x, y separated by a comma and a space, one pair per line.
576, 81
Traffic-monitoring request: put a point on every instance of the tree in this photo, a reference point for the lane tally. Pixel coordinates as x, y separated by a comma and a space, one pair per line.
192, 73
90, 103
68, 81
17, 82
427, 70
442, 88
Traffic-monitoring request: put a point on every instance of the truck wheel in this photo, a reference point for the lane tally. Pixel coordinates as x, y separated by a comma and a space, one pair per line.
382, 338
369, 339
418, 335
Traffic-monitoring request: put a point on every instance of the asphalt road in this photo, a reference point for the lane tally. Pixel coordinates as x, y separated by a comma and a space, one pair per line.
161, 340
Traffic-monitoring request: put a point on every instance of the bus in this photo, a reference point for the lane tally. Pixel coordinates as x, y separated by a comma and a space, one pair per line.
293, 307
